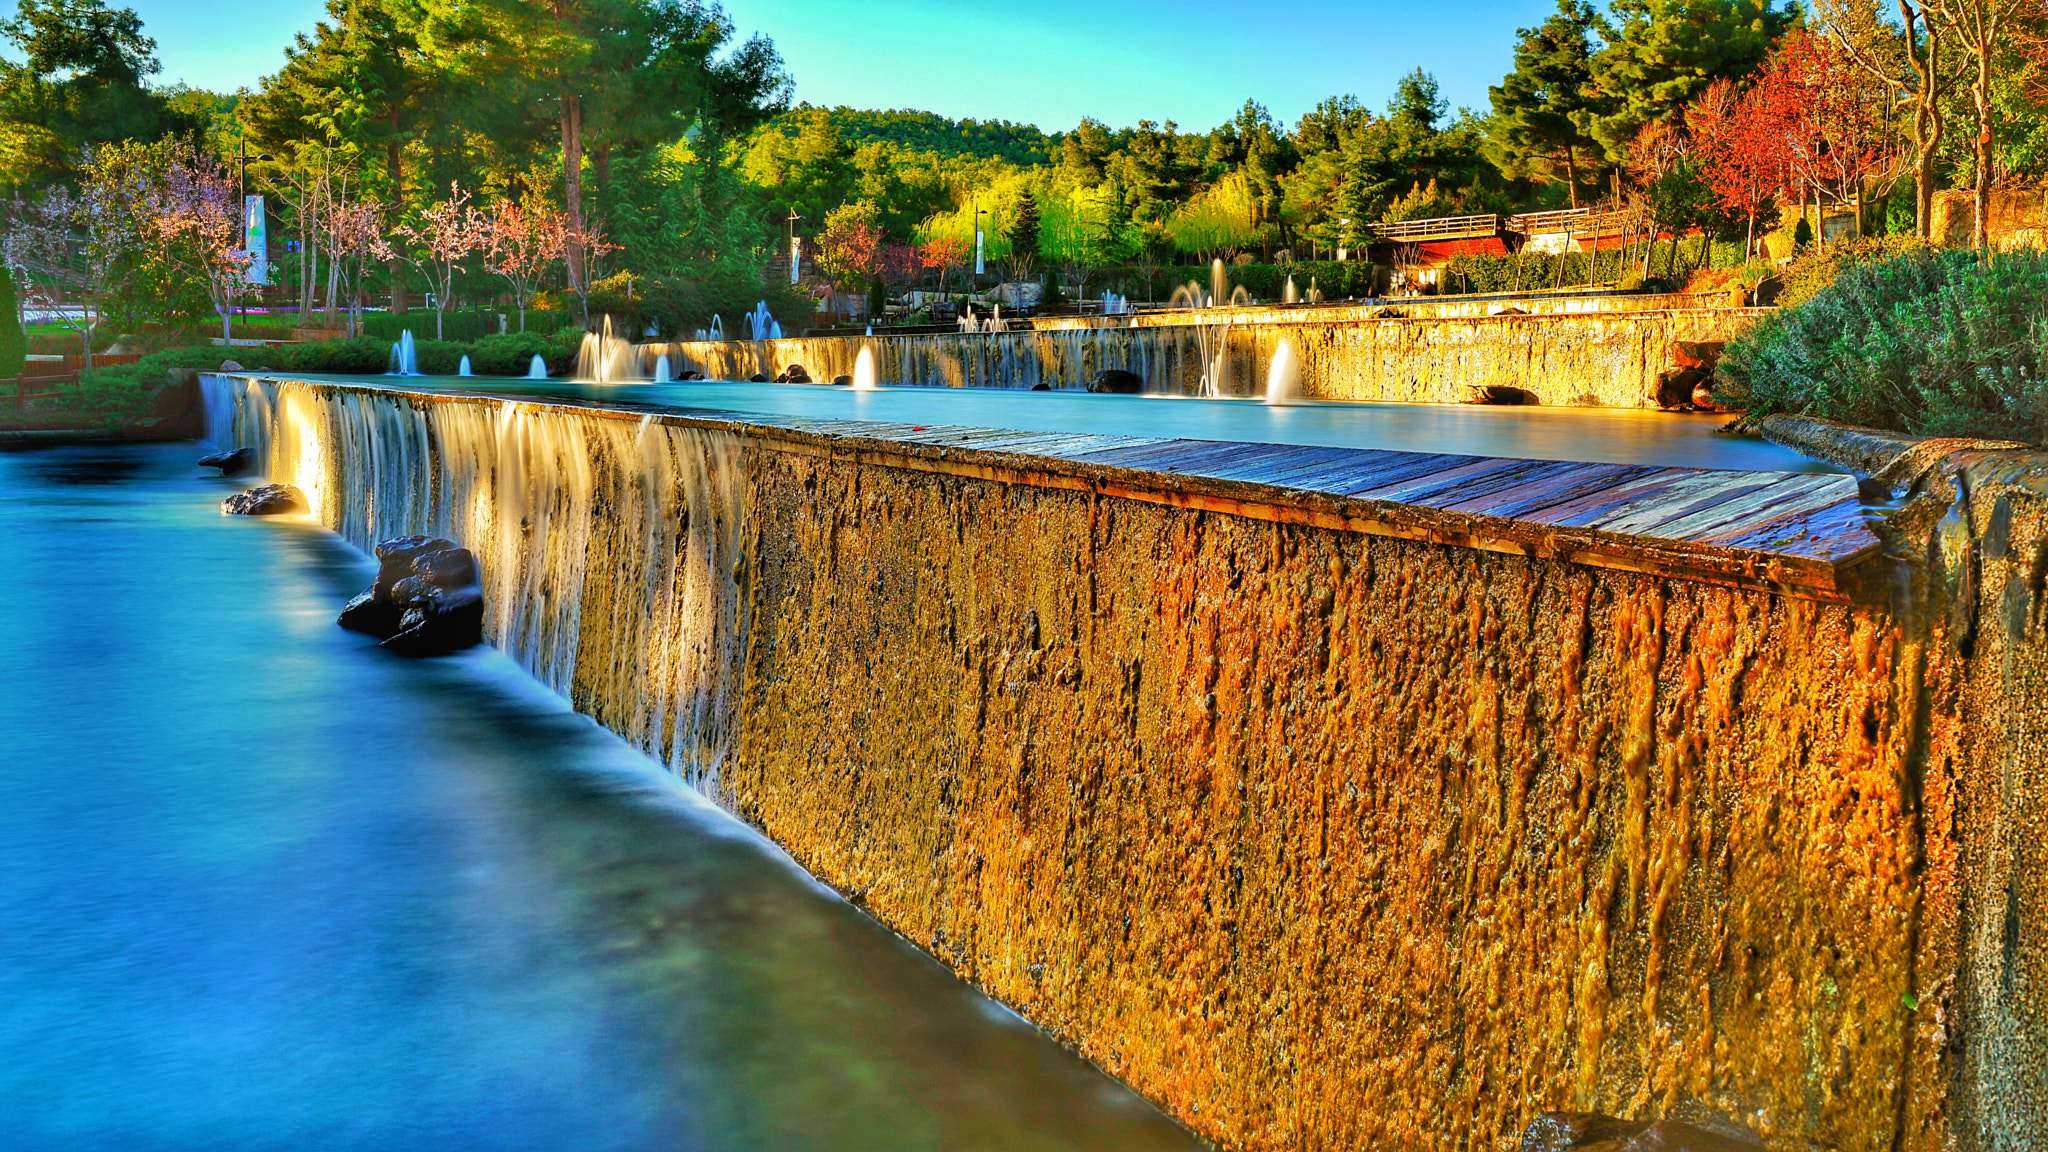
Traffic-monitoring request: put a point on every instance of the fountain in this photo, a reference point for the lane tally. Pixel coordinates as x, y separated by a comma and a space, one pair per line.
1212, 336
1283, 376
607, 359
864, 371
760, 325
538, 370
661, 370
405, 361
715, 332
462, 369
870, 331
1288, 295
1315, 294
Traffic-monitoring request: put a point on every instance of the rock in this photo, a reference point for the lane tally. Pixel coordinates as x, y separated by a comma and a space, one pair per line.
758, 378
794, 374
231, 366
1509, 310
376, 611
441, 621
447, 568
1766, 294
240, 462
1703, 398
1118, 381
1041, 386
269, 500
1674, 388
1678, 1136
1387, 314
1701, 354
1502, 394
842, 381
1568, 1131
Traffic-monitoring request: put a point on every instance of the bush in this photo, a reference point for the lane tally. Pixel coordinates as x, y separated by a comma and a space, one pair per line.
1929, 342
458, 327
1817, 267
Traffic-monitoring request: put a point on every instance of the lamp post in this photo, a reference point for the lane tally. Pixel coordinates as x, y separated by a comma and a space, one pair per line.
979, 212
242, 159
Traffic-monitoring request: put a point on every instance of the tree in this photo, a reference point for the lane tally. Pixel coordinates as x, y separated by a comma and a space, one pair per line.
194, 216
1540, 109
1022, 236
1979, 28
1740, 141
1904, 56
82, 83
13, 341
443, 236
1661, 54
850, 245
354, 229
941, 254
520, 244
77, 249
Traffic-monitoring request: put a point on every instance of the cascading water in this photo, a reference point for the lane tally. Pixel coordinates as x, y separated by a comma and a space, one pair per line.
607, 359
1213, 336
560, 508
462, 369
1283, 376
864, 371
538, 370
404, 360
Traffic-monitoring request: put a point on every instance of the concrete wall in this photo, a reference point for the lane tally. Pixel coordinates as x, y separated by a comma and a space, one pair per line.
1321, 840
1609, 359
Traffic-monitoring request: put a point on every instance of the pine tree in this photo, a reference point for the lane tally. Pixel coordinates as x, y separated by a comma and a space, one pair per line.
1023, 230
1540, 108
1663, 53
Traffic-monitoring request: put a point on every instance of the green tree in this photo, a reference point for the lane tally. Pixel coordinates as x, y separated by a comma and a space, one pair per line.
1022, 234
13, 341
1661, 54
82, 82
1540, 108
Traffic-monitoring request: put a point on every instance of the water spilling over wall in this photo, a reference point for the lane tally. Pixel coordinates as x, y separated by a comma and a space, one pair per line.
1607, 359
1324, 840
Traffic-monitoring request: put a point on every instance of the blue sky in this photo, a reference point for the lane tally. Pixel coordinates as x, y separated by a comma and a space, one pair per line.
1048, 63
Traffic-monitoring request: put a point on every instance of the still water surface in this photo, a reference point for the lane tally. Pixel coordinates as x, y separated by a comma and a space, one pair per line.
266, 887
1606, 435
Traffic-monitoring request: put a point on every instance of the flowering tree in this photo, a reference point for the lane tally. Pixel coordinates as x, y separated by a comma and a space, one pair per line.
194, 218
850, 245
446, 234
1740, 144
74, 249
354, 230
519, 245
941, 254
1835, 117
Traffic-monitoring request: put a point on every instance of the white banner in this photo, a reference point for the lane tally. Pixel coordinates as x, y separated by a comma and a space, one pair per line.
796, 258
256, 241
978, 268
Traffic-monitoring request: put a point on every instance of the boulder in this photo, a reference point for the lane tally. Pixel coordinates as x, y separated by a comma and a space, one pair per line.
794, 374
1701, 354
1674, 388
450, 567
1678, 1136
232, 366
843, 381
1575, 1131
268, 500
758, 378
1509, 310
240, 462
1041, 386
439, 621
376, 610
1502, 394
1117, 380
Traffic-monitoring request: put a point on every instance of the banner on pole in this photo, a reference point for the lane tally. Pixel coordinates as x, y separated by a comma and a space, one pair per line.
978, 268
796, 258
256, 239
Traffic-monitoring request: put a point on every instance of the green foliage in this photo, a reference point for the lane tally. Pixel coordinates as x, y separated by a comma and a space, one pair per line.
1929, 342
1817, 267
82, 83
1661, 54
13, 341
1541, 110
460, 326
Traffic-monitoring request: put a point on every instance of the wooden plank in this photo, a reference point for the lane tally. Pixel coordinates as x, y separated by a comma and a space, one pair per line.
1836, 534
1772, 502
1511, 503
1531, 471
1468, 468
1259, 467
1683, 497
1394, 467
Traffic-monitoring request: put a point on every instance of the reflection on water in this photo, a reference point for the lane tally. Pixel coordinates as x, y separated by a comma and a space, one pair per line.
265, 886
1610, 435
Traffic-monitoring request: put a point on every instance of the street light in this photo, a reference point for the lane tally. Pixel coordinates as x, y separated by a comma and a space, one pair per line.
979, 212
242, 159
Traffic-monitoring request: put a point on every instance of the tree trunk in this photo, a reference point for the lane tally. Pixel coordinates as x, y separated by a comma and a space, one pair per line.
1980, 97
572, 184
1571, 173
394, 169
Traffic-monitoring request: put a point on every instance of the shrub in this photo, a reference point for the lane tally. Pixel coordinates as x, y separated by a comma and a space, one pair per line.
1929, 342
1817, 267
13, 342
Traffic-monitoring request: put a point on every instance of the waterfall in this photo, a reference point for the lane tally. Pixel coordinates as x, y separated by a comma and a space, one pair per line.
563, 510
607, 359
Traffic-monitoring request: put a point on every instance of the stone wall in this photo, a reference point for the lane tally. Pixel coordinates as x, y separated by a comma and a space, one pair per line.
1608, 359
1322, 840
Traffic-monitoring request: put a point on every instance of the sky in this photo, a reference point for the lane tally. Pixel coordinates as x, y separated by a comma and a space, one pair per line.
1047, 63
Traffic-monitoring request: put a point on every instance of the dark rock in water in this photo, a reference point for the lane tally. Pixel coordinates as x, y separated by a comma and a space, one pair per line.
1566, 1131
377, 610
371, 614
758, 378
1704, 400
1117, 380
842, 381
1509, 310
240, 462
448, 568
1503, 394
410, 589
1041, 386
1703, 354
1674, 388
269, 500
439, 621
692, 374
794, 374
1678, 1136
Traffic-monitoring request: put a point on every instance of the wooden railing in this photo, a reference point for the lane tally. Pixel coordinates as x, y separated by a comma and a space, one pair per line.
1440, 228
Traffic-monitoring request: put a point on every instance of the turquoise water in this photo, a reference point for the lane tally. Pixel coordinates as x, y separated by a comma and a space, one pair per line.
267, 887
1609, 435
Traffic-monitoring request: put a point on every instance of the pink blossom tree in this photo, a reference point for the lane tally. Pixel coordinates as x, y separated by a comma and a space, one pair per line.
520, 243
445, 234
194, 215
354, 230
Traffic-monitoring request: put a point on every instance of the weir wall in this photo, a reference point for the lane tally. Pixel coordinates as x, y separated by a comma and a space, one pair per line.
1608, 359
1321, 838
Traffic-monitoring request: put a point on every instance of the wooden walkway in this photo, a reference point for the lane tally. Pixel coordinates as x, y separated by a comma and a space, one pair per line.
1796, 532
